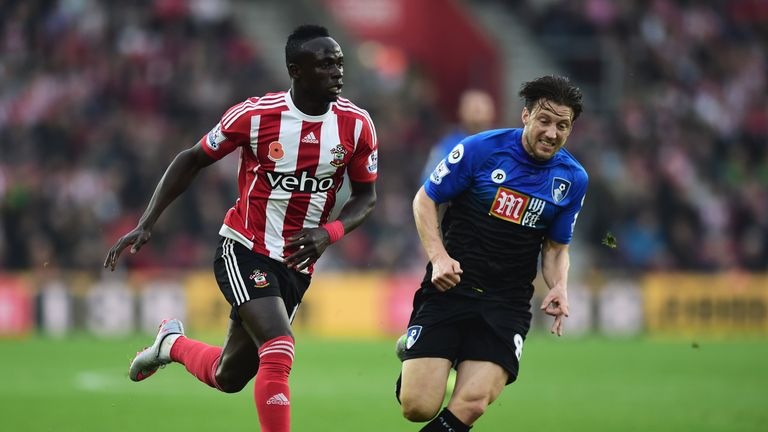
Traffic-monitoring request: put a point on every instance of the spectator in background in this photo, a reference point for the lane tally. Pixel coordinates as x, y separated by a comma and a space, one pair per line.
476, 113
689, 137
75, 80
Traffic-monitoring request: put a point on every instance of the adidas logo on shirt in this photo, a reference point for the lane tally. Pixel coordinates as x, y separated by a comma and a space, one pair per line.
310, 138
278, 399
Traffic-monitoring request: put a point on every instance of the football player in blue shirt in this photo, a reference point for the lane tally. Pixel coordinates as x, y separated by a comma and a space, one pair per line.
511, 194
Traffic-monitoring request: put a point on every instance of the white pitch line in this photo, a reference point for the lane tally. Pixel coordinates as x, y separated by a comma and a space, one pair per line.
117, 382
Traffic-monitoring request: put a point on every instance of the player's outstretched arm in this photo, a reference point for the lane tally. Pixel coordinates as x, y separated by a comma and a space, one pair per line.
312, 242
446, 272
554, 267
176, 179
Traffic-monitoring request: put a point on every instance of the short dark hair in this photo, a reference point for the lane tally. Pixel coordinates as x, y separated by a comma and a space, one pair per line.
301, 34
553, 88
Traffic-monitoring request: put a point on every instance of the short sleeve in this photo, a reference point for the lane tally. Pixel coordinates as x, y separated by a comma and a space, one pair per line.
232, 131
454, 173
561, 229
363, 167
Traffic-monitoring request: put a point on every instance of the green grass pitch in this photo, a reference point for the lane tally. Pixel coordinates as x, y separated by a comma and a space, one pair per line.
80, 384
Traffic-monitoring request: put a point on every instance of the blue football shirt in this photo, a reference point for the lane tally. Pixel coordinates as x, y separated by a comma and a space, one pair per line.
502, 204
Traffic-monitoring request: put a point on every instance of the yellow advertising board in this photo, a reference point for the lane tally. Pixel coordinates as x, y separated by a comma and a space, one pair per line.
206, 307
365, 304
715, 304
337, 304
344, 304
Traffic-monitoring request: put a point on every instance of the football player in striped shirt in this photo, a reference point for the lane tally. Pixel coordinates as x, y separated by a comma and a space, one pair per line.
295, 147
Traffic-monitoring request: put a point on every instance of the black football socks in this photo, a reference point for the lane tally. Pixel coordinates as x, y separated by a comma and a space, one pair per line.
445, 422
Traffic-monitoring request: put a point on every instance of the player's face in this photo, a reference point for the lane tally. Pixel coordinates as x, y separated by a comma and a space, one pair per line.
547, 128
322, 69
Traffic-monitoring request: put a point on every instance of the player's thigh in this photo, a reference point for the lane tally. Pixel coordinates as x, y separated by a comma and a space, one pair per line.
423, 385
265, 318
478, 382
499, 342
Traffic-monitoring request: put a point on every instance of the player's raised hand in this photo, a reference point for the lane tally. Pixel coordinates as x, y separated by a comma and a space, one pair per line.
446, 272
311, 243
556, 305
136, 238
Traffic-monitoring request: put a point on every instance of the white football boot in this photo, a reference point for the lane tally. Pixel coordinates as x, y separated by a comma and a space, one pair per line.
152, 358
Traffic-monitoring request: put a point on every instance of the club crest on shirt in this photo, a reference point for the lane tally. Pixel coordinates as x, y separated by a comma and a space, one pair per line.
517, 207
338, 152
560, 188
215, 137
413, 335
259, 279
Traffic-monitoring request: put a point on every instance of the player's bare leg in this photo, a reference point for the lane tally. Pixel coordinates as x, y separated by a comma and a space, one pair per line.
228, 368
268, 324
478, 384
423, 387
239, 359
265, 318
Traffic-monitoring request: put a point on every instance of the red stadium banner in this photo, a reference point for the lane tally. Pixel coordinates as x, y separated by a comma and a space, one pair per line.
16, 307
432, 33
399, 292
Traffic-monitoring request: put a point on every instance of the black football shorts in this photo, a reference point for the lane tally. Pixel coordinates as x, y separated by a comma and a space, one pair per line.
243, 275
461, 328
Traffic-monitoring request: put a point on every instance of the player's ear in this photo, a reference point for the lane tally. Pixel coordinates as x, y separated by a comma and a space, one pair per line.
525, 115
294, 71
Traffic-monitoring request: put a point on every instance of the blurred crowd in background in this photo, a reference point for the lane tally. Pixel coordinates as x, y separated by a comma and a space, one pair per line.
97, 97
679, 171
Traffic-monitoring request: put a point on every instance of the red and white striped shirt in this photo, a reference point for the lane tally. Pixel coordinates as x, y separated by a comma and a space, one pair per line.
291, 166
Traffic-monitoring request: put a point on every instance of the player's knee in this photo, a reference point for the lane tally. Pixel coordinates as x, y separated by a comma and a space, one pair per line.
475, 409
417, 413
229, 382
418, 409
469, 407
